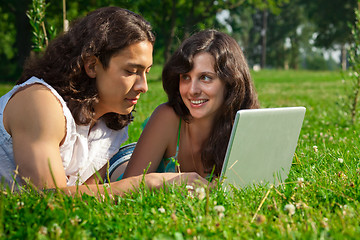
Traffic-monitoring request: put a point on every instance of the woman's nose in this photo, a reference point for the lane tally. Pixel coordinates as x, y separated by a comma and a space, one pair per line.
195, 87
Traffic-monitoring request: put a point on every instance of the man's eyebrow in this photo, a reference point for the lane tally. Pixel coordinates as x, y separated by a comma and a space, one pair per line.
135, 65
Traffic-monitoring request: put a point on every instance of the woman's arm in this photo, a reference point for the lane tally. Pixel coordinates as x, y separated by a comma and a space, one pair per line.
157, 140
152, 181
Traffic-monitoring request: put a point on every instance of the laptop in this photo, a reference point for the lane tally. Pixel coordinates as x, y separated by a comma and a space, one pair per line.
261, 146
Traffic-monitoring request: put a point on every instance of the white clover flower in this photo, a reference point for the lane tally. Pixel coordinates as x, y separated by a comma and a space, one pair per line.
301, 205
290, 209
200, 193
315, 149
190, 194
56, 229
189, 187
324, 222
340, 160
219, 208
161, 209
301, 182
348, 210
43, 230
75, 220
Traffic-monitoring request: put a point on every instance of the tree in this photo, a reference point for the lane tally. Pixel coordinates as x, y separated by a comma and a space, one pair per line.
355, 63
16, 31
7, 42
17, 9
287, 35
250, 24
332, 18
175, 20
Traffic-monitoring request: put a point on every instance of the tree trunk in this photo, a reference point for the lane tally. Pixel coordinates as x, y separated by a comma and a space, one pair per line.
343, 57
294, 55
23, 30
170, 37
189, 21
263, 36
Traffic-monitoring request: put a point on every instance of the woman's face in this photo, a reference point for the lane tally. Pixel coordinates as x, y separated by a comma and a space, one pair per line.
121, 84
201, 89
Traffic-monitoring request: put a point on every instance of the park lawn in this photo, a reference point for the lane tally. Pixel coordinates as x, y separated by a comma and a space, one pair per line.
320, 198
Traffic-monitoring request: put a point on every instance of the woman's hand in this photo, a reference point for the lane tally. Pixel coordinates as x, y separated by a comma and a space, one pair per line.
157, 180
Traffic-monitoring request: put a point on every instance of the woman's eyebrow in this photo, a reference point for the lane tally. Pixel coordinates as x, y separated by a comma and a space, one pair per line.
209, 73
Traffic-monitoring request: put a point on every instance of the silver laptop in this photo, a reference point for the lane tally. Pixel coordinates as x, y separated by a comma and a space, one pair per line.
262, 146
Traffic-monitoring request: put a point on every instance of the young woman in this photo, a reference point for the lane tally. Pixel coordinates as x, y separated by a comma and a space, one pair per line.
68, 114
207, 81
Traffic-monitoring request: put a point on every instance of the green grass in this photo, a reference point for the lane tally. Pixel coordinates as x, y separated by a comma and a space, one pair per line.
324, 191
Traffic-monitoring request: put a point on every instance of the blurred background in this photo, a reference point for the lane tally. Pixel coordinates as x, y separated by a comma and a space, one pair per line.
274, 34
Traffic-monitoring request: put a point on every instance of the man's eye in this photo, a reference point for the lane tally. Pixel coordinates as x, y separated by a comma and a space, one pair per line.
131, 72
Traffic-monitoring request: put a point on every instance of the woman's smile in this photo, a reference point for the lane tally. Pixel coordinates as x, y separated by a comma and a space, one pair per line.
198, 102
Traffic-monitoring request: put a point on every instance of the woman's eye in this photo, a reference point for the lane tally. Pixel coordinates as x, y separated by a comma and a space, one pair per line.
184, 77
206, 78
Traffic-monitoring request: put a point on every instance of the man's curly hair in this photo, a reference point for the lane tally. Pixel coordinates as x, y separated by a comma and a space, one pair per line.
102, 33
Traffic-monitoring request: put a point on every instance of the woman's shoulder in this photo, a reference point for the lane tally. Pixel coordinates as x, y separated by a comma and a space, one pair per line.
164, 118
166, 111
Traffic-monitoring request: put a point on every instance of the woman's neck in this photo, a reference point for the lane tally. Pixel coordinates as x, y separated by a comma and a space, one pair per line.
200, 129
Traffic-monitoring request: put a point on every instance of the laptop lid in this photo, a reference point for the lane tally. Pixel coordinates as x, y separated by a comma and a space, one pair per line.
261, 146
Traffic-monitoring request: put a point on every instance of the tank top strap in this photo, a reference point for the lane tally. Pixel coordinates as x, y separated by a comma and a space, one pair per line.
178, 141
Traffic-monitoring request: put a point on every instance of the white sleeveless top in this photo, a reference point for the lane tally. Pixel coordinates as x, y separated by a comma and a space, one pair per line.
82, 153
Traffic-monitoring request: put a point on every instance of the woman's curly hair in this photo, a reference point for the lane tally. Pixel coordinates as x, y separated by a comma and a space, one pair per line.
102, 33
232, 68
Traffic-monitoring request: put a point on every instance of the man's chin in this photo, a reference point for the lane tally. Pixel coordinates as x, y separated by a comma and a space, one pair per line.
127, 111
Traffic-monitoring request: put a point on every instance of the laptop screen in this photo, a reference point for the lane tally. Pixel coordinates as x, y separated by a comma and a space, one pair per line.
262, 145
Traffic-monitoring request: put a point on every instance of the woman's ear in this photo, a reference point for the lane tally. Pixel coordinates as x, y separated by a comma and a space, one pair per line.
89, 65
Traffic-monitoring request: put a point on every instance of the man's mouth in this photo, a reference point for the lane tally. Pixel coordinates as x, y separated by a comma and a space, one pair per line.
133, 100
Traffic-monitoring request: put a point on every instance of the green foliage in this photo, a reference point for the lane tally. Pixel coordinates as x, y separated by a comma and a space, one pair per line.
322, 189
36, 15
175, 20
315, 60
331, 19
7, 41
7, 36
